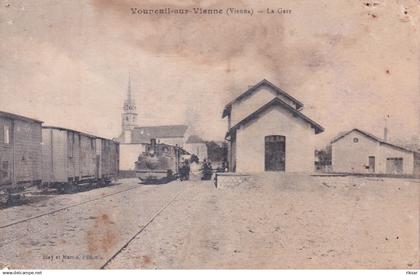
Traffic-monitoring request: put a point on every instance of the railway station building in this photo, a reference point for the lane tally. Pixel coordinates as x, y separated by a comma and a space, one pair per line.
267, 131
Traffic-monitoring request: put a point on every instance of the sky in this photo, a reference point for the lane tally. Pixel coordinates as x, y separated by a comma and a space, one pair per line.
352, 63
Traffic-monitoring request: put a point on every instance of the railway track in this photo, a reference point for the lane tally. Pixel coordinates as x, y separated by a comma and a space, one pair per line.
66, 207
16, 237
131, 235
136, 234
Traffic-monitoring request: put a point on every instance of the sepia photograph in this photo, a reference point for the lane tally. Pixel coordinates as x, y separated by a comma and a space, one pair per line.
209, 135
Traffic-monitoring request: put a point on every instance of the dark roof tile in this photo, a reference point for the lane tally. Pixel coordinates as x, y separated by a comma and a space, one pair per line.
195, 139
144, 134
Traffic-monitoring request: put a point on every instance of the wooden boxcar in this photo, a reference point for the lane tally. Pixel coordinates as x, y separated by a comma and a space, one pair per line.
20, 152
72, 158
108, 152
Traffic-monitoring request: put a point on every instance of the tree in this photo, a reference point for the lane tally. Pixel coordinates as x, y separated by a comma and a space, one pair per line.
324, 156
216, 152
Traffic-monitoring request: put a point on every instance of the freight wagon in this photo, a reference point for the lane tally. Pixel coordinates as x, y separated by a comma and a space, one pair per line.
108, 156
20, 154
72, 159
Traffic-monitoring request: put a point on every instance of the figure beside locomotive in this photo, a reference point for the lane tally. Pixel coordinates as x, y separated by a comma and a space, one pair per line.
54, 157
161, 163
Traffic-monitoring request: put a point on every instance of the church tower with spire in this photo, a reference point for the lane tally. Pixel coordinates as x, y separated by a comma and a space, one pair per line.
129, 115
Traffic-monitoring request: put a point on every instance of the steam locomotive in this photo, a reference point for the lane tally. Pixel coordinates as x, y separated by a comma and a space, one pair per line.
159, 162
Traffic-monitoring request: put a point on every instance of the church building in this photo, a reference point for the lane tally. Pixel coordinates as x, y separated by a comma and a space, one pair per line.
133, 138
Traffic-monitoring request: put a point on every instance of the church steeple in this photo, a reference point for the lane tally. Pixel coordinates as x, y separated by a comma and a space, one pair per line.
129, 100
129, 115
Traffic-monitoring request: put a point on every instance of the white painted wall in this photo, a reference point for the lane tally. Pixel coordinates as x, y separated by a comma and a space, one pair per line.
198, 149
232, 154
129, 154
391, 152
261, 96
351, 157
127, 136
250, 142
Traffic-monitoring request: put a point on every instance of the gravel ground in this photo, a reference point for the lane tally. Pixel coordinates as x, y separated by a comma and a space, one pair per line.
292, 221
41, 202
285, 222
84, 236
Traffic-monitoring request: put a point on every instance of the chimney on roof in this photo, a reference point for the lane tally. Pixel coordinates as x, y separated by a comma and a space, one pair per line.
386, 128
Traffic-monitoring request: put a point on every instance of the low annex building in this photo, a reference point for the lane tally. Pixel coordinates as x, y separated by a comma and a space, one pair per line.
358, 151
267, 131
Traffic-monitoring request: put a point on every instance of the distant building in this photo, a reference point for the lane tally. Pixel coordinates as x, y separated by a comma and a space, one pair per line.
358, 151
197, 146
168, 134
133, 138
268, 132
